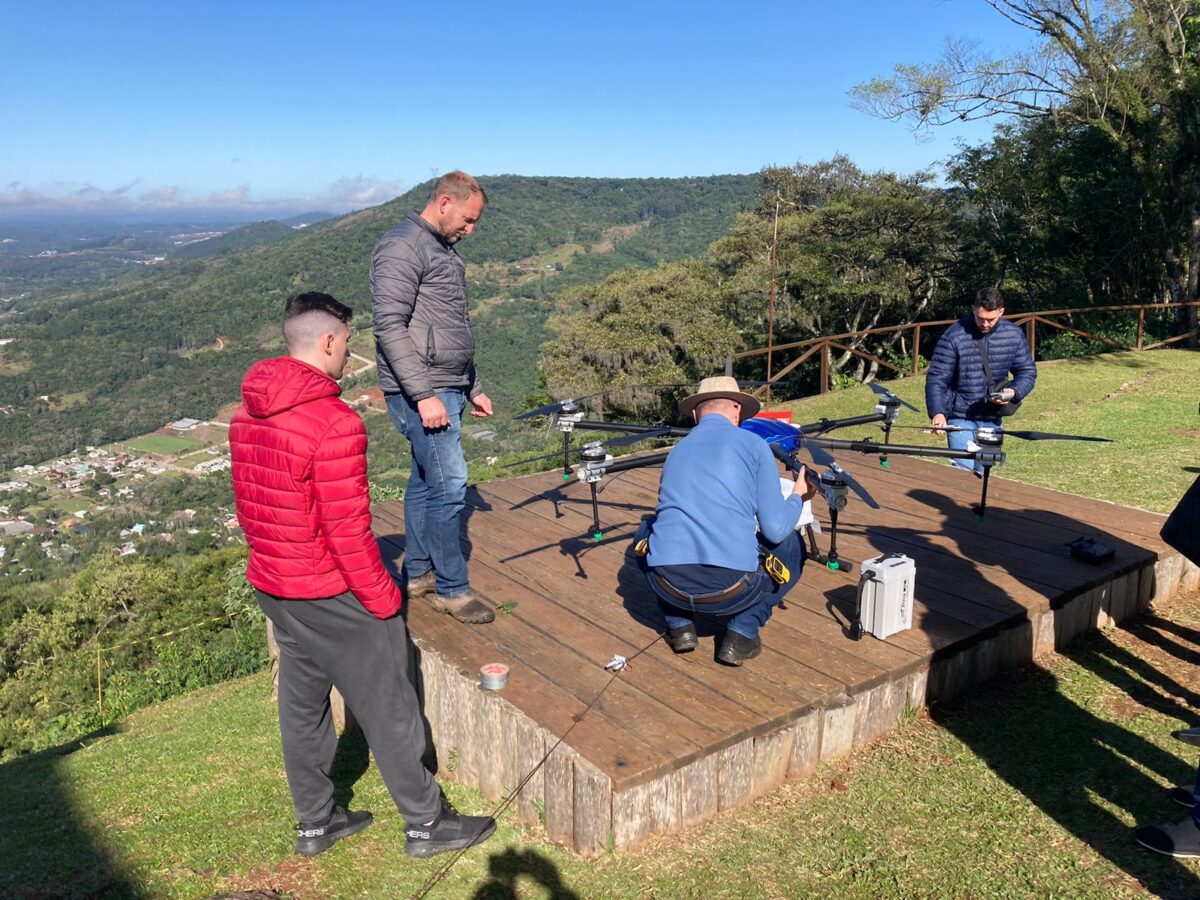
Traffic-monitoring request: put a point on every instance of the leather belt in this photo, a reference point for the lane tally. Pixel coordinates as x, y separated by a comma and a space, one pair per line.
732, 591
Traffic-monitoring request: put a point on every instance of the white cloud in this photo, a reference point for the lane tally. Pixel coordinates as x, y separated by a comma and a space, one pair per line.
344, 194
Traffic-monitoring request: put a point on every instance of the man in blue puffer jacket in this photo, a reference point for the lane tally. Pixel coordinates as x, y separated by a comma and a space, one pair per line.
957, 389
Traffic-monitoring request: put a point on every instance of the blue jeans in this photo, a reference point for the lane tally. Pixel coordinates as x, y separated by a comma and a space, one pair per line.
958, 440
436, 492
747, 612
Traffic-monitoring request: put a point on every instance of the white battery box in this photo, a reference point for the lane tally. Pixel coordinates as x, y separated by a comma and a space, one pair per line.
885, 590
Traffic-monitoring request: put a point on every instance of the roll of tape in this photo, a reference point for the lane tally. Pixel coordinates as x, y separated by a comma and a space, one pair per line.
493, 676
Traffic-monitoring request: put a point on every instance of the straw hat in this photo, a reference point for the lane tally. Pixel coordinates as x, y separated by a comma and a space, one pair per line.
720, 387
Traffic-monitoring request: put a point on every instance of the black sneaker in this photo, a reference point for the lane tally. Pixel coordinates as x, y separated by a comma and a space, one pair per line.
314, 839
737, 648
1179, 839
682, 639
449, 831
1183, 796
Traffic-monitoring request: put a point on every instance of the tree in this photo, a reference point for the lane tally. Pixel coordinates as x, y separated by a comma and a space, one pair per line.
639, 327
854, 250
1127, 68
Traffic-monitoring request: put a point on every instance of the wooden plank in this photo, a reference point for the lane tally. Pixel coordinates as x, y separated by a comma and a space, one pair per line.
530, 748
806, 744
593, 809
735, 775
772, 754
837, 728
650, 808
560, 796
698, 791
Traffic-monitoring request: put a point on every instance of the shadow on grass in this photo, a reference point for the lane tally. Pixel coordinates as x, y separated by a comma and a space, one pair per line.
45, 833
1079, 769
504, 870
1083, 771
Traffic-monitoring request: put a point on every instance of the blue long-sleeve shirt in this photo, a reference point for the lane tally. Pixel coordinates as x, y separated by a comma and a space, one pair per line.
717, 484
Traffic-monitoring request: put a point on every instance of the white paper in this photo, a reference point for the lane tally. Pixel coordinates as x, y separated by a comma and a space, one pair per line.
806, 517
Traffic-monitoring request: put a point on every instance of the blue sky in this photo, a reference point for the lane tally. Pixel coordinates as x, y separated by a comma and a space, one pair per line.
273, 107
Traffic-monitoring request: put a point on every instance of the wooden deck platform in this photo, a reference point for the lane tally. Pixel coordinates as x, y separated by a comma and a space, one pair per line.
676, 739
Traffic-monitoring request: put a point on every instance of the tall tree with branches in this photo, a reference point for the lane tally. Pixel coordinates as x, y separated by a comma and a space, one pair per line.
1128, 68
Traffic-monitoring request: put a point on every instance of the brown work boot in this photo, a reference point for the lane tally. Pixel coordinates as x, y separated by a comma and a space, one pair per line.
466, 607
420, 585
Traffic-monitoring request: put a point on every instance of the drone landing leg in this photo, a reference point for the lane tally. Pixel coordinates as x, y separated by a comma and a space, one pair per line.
566, 455
987, 471
596, 532
814, 552
831, 560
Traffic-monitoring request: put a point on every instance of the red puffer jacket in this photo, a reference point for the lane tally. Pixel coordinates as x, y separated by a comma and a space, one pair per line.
300, 484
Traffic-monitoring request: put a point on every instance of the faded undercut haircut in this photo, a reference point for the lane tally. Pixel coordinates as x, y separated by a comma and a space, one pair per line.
458, 185
989, 299
308, 316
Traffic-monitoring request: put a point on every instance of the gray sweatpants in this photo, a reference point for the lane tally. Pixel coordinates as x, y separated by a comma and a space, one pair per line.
335, 641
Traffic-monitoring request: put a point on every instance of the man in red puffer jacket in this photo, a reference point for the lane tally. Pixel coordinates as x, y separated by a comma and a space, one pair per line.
300, 484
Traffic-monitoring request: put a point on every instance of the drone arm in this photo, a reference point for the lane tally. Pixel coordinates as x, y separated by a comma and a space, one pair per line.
898, 449
830, 424
621, 427
635, 462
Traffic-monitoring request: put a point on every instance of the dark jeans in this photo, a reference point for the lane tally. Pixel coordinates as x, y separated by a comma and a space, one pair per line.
335, 641
747, 611
436, 492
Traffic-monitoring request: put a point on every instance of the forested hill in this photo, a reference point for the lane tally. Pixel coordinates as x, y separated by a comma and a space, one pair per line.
123, 356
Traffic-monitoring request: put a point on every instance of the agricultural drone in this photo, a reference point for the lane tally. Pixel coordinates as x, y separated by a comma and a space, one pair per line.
834, 482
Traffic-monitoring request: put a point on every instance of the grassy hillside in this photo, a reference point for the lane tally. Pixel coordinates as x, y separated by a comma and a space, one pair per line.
135, 347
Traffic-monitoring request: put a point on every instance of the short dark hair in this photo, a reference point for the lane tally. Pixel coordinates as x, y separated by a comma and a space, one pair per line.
307, 316
315, 301
989, 299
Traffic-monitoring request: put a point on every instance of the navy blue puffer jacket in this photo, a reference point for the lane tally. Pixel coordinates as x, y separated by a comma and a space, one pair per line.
956, 385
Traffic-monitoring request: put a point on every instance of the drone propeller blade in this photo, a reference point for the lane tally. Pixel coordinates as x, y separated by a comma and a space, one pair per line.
825, 460
626, 440
852, 483
884, 392
1050, 436
552, 408
533, 459
820, 455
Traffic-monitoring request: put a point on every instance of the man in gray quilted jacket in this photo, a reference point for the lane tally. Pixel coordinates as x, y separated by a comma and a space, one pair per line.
426, 357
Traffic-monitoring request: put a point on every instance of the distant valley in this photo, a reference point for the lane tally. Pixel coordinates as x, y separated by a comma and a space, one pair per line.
115, 357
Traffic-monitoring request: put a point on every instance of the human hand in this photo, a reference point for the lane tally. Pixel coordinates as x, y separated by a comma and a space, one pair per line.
433, 414
937, 423
481, 406
809, 485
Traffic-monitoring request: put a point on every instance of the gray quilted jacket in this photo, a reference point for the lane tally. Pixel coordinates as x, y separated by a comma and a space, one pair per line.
423, 340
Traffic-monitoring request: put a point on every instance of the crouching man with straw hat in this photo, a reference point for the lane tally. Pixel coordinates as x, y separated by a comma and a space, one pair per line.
723, 547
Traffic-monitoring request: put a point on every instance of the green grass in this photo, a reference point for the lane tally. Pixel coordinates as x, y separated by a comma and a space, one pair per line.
1029, 788
1146, 403
164, 444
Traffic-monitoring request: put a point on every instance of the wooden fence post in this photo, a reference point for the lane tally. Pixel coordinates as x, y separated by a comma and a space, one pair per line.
1031, 336
1141, 325
916, 349
825, 367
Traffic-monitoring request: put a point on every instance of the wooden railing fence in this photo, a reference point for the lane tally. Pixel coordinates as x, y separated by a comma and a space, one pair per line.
825, 346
